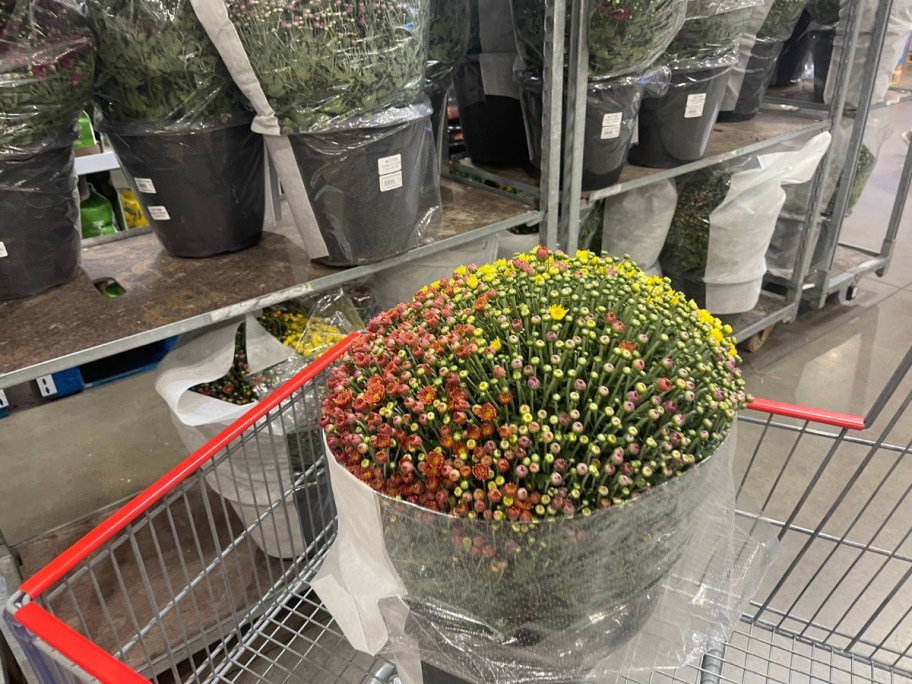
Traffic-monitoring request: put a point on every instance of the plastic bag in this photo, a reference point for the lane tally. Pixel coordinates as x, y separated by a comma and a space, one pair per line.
636, 223
708, 8
625, 36
724, 221
47, 58
781, 21
510, 243
448, 36
900, 23
157, 69
824, 12
708, 42
586, 598
399, 284
39, 223
744, 70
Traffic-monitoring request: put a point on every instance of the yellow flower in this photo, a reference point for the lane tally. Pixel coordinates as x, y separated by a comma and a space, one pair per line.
435, 285
461, 270
732, 351
706, 317
583, 255
557, 312
472, 281
495, 345
717, 335
539, 279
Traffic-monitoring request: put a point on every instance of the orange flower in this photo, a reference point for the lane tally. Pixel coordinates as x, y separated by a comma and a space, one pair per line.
427, 394
626, 345
486, 412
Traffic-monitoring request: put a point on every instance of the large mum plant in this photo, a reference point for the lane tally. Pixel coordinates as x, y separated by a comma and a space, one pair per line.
47, 56
321, 62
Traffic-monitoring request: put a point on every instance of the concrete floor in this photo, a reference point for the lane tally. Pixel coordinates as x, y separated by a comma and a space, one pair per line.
66, 459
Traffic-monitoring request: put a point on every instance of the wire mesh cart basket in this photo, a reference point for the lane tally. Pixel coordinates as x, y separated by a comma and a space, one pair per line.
174, 588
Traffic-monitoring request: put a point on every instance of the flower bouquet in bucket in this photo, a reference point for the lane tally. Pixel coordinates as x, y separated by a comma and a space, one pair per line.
179, 125
524, 457
47, 57
338, 89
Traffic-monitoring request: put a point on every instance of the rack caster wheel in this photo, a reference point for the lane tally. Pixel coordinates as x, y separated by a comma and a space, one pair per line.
849, 294
755, 342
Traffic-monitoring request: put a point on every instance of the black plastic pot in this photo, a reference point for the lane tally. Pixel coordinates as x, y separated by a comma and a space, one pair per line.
674, 129
202, 191
757, 75
611, 111
794, 55
822, 53
492, 125
437, 91
39, 222
365, 211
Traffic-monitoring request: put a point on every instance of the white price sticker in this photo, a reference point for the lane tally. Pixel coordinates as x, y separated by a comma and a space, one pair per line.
389, 164
145, 185
611, 125
3, 252
159, 213
391, 181
694, 107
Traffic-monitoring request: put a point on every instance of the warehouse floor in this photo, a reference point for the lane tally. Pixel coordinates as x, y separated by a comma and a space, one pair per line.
67, 459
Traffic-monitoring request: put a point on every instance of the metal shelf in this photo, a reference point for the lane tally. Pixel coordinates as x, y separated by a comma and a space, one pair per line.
771, 309
850, 264
75, 324
801, 95
729, 141
95, 163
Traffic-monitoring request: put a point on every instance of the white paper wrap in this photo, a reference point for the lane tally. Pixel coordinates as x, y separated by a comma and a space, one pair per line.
251, 483
636, 223
648, 585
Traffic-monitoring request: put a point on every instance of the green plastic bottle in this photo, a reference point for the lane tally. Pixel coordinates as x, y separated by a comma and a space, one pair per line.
97, 215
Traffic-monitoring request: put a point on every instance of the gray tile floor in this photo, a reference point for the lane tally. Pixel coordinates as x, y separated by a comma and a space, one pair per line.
66, 459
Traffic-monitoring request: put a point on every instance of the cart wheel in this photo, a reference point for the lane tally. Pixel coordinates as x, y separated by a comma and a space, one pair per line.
754, 343
848, 294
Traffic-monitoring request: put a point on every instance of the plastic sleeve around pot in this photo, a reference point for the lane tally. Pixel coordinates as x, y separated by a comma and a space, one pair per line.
708, 8
47, 60
625, 36
636, 222
321, 65
39, 225
156, 65
781, 21
448, 35
824, 12
570, 598
374, 190
708, 42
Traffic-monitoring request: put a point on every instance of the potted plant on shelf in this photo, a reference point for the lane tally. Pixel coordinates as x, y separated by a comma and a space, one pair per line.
758, 71
448, 40
179, 126
47, 55
822, 35
529, 449
675, 129
338, 89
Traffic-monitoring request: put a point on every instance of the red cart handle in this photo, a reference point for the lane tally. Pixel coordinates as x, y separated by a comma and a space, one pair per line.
780, 408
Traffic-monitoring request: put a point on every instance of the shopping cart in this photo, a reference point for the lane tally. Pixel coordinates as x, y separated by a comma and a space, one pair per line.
174, 588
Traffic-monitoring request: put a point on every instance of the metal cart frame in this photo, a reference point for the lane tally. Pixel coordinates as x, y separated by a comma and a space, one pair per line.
149, 595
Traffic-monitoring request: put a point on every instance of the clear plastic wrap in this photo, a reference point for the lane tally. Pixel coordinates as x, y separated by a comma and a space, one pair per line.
39, 223
47, 59
202, 189
724, 222
781, 21
743, 75
650, 584
157, 69
448, 36
708, 42
708, 8
824, 12
625, 36
674, 129
636, 223
611, 115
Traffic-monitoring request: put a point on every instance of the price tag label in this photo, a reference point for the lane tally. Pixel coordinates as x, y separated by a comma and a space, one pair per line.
611, 125
389, 164
3, 252
145, 185
390, 181
694, 107
159, 213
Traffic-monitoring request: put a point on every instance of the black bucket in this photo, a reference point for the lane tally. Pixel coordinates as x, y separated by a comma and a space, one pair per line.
757, 75
611, 112
675, 129
437, 91
202, 191
370, 188
492, 125
822, 53
794, 55
39, 222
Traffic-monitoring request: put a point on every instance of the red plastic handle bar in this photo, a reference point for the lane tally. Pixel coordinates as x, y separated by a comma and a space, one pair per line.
780, 408
75, 647
42, 580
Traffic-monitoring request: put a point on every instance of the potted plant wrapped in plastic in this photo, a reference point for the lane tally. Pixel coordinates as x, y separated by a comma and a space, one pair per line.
448, 39
338, 91
47, 56
520, 457
179, 126
675, 129
822, 35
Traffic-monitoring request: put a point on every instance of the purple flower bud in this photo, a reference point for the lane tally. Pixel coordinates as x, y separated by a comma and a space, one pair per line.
634, 449
516, 364
653, 414
521, 471
556, 479
639, 364
564, 419
560, 465
551, 336
603, 391
579, 384
617, 456
633, 396
555, 359
533, 383
670, 406
624, 481
581, 469
554, 448
678, 419
577, 427
629, 406
608, 469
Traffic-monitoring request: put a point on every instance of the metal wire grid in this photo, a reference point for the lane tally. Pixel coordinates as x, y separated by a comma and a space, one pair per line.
185, 594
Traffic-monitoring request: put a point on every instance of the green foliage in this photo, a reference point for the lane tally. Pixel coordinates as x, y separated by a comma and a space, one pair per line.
708, 41
47, 56
320, 62
824, 11
448, 34
781, 20
687, 243
156, 64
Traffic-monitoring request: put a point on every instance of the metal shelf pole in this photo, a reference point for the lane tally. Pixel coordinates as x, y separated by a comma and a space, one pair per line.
552, 115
